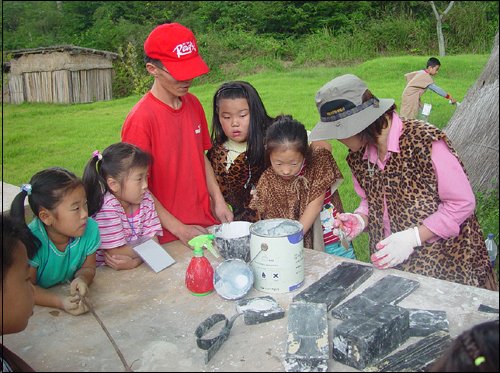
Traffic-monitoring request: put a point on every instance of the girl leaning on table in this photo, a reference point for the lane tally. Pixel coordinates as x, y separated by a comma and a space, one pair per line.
66, 237
120, 202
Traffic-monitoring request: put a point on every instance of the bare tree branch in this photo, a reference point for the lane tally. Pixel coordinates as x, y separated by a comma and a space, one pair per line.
439, 25
448, 8
435, 10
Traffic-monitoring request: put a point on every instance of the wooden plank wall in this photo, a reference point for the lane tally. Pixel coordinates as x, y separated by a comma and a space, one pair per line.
16, 89
62, 86
91, 85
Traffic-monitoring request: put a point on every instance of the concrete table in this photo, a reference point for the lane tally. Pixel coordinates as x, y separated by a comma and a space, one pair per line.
152, 318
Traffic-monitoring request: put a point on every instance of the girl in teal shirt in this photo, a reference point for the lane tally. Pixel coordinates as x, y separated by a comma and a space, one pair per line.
67, 237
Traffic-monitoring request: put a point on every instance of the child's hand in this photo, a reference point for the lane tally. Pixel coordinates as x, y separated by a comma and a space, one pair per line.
119, 262
80, 285
74, 305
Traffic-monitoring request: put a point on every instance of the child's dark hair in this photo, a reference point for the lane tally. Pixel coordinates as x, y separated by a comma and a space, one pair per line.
475, 350
46, 189
285, 133
117, 161
259, 119
12, 233
371, 133
433, 62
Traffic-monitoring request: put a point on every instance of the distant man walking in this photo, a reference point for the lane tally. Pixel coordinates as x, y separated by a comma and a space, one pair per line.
418, 83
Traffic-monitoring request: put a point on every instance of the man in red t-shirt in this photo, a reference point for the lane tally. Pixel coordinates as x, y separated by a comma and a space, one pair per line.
170, 123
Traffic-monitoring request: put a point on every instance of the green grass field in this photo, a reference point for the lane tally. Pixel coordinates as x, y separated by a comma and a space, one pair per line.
37, 136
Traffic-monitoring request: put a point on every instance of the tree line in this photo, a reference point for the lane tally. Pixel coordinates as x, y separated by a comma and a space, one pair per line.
253, 34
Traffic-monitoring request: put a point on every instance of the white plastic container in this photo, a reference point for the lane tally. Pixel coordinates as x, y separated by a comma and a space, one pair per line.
277, 255
492, 248
233, 240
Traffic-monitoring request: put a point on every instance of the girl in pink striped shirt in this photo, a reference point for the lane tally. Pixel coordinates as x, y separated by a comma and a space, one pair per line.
120, 203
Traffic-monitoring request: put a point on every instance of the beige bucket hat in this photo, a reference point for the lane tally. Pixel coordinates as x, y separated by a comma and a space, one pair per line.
342, 114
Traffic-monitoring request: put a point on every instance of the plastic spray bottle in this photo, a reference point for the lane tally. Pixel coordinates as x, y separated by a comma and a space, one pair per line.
200, 273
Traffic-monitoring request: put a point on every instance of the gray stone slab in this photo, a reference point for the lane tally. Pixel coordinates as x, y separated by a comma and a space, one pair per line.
336, 285
487, 309
260, 309
417, 357
307, 338
363, 340
425, 322
389, 290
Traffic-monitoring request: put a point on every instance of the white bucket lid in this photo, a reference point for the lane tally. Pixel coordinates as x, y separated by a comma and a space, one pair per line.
276, 228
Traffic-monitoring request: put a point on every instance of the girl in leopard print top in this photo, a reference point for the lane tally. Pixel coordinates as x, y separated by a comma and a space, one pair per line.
298, 184
239, 125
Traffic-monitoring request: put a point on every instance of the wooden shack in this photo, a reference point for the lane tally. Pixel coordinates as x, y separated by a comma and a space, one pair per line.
62, 74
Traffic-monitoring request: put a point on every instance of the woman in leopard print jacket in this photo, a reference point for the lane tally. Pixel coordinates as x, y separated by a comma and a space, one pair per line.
417, 204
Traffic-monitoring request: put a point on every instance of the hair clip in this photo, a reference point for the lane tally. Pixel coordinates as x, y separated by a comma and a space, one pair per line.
479, 360
96, 153
26, 188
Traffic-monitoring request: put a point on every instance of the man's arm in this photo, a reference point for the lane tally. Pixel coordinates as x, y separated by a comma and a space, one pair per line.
184, 232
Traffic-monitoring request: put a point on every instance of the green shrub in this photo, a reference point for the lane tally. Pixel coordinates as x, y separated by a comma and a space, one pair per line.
487, 204
487, 211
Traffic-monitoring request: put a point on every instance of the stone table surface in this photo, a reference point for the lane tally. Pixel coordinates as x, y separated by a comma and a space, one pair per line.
152, 318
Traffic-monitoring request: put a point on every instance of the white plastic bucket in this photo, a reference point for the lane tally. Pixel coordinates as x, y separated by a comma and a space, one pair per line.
277, 254
233, 240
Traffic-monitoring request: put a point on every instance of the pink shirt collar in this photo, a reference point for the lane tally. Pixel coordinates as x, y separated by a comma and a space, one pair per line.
392, 140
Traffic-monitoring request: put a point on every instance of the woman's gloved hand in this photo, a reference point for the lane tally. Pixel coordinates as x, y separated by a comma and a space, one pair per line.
396, 248
351, 224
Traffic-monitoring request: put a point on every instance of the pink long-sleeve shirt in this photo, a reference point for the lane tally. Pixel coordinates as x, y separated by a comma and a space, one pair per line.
455, 192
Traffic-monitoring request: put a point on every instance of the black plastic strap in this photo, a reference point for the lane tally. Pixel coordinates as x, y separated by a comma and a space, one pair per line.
212, 345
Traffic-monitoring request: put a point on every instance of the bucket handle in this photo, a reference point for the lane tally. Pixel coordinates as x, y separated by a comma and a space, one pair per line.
263, 247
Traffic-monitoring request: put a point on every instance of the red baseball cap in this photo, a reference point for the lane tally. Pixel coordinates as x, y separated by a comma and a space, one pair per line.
175, 46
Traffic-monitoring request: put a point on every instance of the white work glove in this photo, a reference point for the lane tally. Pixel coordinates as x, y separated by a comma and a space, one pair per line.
396, 248
351, 224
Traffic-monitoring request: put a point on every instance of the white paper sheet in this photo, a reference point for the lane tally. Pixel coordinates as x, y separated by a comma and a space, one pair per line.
154, 255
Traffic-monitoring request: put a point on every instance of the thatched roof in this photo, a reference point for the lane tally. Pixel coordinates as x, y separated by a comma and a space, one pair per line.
474, 128
59, 57
62, 48
71, 49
